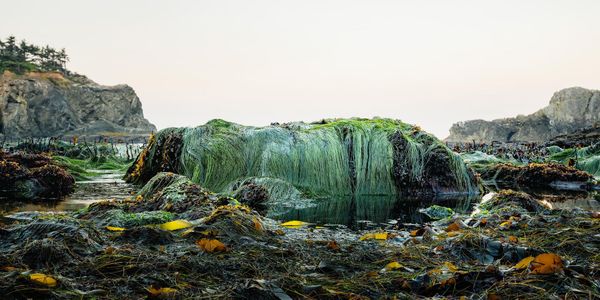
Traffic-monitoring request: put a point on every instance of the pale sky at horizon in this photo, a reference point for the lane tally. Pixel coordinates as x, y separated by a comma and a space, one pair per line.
431, 63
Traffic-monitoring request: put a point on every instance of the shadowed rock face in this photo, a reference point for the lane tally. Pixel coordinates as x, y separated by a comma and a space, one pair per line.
48, 104
569, 110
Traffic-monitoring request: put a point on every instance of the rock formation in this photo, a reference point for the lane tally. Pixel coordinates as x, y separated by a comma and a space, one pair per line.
50, 104
299, 160
569, 110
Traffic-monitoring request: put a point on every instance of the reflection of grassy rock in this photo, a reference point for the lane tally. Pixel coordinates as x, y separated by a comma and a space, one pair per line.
271, 196
334, 157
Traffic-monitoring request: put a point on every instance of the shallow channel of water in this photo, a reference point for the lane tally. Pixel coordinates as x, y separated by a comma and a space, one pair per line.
353, 211
107, 185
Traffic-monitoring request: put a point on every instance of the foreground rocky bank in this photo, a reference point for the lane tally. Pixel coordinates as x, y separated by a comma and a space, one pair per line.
569, 110
178, 240
297, 161
46, 104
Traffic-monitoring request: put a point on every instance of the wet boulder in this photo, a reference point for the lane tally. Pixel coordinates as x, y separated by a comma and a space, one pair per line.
146, 235
29, 176
535, 175
253, 195
175, 194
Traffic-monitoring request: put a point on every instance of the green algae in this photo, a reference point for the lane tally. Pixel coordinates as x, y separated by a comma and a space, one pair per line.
585, 159
82, 169
120, 218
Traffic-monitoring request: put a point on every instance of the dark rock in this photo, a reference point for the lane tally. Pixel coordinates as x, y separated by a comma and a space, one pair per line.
146, 235
161, 155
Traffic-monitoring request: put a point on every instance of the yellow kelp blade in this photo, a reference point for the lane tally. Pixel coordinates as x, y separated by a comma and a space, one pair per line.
374, 236
113, 228
451, 267
175, 225
393, 266
161, 291
524, 263
381, 236
294, 224
43, 279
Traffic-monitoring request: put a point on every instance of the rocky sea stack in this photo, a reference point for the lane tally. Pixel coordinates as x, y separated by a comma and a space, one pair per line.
47, 104
300, 160
569, 110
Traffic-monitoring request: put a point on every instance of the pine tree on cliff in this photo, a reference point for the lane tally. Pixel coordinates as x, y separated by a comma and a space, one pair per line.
22, 57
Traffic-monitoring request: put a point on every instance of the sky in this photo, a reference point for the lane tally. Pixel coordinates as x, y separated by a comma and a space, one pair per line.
431, 63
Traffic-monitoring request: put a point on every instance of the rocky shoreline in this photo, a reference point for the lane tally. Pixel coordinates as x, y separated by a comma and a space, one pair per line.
178, 240
175, 238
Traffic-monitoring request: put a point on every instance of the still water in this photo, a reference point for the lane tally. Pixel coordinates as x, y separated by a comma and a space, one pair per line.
346, 210
351, 210
107, 185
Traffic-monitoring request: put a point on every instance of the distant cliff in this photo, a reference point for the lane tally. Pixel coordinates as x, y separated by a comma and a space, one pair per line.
44, 104
569, 110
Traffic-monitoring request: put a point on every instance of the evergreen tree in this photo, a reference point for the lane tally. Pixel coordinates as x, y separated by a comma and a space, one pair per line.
20, 57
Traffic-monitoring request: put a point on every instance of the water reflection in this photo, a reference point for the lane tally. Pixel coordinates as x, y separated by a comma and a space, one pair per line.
108, 185
349, 210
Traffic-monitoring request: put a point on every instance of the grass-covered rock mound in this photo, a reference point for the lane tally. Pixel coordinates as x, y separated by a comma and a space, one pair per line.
331, 157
